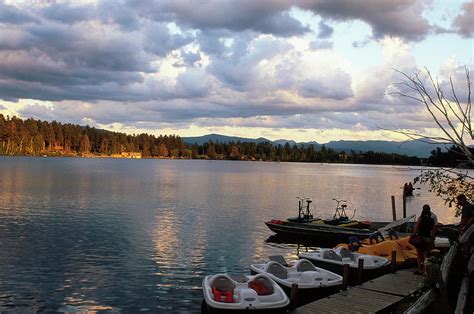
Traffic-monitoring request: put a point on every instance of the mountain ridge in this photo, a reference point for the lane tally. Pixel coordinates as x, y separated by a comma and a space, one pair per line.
409, 147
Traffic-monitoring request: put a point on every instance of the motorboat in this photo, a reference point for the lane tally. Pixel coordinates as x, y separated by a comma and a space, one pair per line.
326, 234
334, 260
259, 292
310, 281
340, 217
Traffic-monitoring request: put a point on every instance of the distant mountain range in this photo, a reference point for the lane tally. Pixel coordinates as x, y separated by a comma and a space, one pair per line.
409, 148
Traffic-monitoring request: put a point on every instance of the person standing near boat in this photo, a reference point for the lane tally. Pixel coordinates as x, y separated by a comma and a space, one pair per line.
426, 229
467, 213
408, 189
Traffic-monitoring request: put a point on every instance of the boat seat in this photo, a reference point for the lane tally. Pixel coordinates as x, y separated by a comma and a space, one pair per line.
222, 283
304, 265
347, 254
279, 259
262, 285
331, 255
277, 270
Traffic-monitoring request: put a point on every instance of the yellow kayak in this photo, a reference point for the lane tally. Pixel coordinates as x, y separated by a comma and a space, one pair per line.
405, 255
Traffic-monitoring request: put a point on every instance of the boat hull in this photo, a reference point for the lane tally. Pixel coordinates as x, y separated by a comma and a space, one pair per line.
206, 308
367, 274
330, 235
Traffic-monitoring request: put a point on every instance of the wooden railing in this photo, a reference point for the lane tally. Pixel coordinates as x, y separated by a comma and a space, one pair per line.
438, 276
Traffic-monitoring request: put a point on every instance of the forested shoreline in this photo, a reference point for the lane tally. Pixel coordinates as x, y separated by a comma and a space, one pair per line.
32, 137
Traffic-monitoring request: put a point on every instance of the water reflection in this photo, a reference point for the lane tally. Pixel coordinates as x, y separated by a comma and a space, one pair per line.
136, 235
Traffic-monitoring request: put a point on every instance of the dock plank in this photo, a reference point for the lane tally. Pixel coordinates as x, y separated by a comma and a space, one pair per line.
401, 283
352, 300
370, 297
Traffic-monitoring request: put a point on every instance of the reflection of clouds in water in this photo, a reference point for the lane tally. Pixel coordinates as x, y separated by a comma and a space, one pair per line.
127, 232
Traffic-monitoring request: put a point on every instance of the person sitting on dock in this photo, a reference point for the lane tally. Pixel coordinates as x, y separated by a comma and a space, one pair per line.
467, 213
426, 228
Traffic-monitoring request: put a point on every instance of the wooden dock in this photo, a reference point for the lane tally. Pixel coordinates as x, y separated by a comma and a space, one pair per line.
373, 296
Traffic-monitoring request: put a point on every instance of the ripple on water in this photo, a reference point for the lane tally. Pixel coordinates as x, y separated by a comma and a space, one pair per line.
80, 235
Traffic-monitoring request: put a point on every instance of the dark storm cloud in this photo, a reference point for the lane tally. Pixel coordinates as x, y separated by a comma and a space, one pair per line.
394, 18
464, 22
159, 41
325, 31
13, 15
119, 12
268, 17
69, 13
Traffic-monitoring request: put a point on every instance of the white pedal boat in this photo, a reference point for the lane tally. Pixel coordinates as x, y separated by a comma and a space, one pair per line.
301, 272
334, 259
259, 292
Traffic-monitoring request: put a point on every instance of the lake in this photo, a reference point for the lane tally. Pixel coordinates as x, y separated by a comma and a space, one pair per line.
80, 234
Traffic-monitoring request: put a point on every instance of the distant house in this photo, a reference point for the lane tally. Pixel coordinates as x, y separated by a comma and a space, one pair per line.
136, 155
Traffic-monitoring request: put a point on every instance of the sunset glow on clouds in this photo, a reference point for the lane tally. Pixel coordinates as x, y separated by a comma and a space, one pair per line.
306, 70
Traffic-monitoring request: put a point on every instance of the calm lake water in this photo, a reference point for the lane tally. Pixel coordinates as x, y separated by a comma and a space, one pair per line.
139, 235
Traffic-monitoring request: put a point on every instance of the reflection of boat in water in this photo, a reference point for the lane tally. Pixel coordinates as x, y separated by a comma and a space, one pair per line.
260, 292
334, 259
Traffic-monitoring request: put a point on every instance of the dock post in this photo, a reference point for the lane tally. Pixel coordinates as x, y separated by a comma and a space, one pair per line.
404, 206
394, 210
345, 276
294, 296
394, 261
360, 270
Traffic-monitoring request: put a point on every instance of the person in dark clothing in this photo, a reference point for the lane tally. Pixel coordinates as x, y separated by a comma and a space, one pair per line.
467, 213
426, 228
408, 189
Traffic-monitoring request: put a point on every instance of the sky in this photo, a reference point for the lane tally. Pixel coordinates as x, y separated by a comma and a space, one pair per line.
303, 70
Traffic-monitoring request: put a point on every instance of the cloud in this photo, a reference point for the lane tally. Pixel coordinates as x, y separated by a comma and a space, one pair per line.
335, 86
322, 44
211, 63
464, 22
238, 16
68, 12
394, 18
325, 31
12, 15
159, 41
360, 43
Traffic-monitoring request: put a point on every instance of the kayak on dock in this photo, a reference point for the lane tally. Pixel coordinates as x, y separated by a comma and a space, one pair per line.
405, 252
